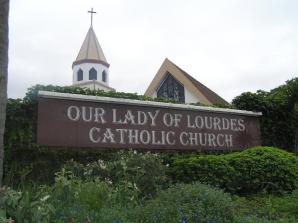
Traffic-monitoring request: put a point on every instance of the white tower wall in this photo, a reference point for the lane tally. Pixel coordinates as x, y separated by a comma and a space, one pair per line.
86, 67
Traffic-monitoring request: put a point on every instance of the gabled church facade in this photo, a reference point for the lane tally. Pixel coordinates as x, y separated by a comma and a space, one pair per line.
173, 82
90, 68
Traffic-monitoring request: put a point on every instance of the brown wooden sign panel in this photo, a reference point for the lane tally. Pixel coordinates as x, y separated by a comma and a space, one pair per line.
71, 122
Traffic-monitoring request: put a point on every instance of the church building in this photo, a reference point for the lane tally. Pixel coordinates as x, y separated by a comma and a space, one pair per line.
90, 68
173, 82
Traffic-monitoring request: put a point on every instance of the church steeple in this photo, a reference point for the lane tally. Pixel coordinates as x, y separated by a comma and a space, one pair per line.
91, 50
90, 68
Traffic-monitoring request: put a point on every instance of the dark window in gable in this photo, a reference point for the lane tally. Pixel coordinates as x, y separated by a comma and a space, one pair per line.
80, 75
92, 74
171, 88
104, 76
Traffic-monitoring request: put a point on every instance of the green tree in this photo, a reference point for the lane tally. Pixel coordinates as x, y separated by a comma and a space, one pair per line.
279, 123
4, 5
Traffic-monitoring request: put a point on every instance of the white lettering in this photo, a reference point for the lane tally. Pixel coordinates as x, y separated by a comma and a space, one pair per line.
168, 119
145, 137
184, 141
71, 110
229, 140
241, 125
199, 122
142, 118
108, 136
133, 135
169, 141
122, 131
177, 119
225, 124
98, 115
220, 140
129, 118
216, 123
115, 117
91, 135
84, 114
153, 117
233, 124
211, 139
189, 125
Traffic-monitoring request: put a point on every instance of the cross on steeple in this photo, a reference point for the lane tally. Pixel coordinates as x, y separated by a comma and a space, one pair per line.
91, 12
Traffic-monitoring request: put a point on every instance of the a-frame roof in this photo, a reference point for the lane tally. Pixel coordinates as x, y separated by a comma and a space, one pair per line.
203, 93
91, 50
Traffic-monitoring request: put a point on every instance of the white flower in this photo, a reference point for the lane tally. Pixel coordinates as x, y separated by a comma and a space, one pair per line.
45, 198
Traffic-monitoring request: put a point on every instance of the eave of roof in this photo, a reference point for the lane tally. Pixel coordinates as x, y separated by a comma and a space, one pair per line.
206, 95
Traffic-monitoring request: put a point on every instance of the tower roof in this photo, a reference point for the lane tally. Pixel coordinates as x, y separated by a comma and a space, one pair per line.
91, 50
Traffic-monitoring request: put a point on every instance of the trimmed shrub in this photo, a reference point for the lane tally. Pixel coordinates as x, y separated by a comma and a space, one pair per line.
187, 203
250, 171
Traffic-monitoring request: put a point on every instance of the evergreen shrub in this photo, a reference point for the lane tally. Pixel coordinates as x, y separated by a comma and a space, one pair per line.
250, 171
187, 203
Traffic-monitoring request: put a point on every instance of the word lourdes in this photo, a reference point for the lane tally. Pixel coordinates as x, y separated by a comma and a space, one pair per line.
197, 126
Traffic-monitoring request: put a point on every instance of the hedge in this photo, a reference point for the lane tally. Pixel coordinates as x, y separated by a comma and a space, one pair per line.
250, 171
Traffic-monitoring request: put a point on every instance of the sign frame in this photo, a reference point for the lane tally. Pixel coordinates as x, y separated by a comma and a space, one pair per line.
49, 118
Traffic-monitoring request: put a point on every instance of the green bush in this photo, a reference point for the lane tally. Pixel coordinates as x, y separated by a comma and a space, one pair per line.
187, 203
129, 171
250, 171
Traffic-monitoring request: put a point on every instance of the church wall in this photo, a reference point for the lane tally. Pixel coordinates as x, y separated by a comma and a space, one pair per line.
86, 67
189, 97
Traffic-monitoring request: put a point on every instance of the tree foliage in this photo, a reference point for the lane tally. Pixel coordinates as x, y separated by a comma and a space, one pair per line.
279, 123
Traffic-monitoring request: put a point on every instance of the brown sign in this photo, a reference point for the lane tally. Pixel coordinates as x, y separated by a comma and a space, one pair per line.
99, 122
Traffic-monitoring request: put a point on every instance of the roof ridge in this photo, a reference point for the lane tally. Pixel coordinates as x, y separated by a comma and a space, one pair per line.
88, 42
211, 95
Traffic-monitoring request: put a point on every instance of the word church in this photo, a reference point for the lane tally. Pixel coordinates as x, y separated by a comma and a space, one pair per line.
91, 70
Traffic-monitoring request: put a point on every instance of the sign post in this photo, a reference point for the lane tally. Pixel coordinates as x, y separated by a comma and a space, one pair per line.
100, 122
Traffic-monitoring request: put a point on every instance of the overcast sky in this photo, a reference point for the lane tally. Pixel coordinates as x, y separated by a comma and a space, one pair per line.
231, 46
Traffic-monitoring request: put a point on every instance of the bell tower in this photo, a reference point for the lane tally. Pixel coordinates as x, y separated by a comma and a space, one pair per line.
90, 68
